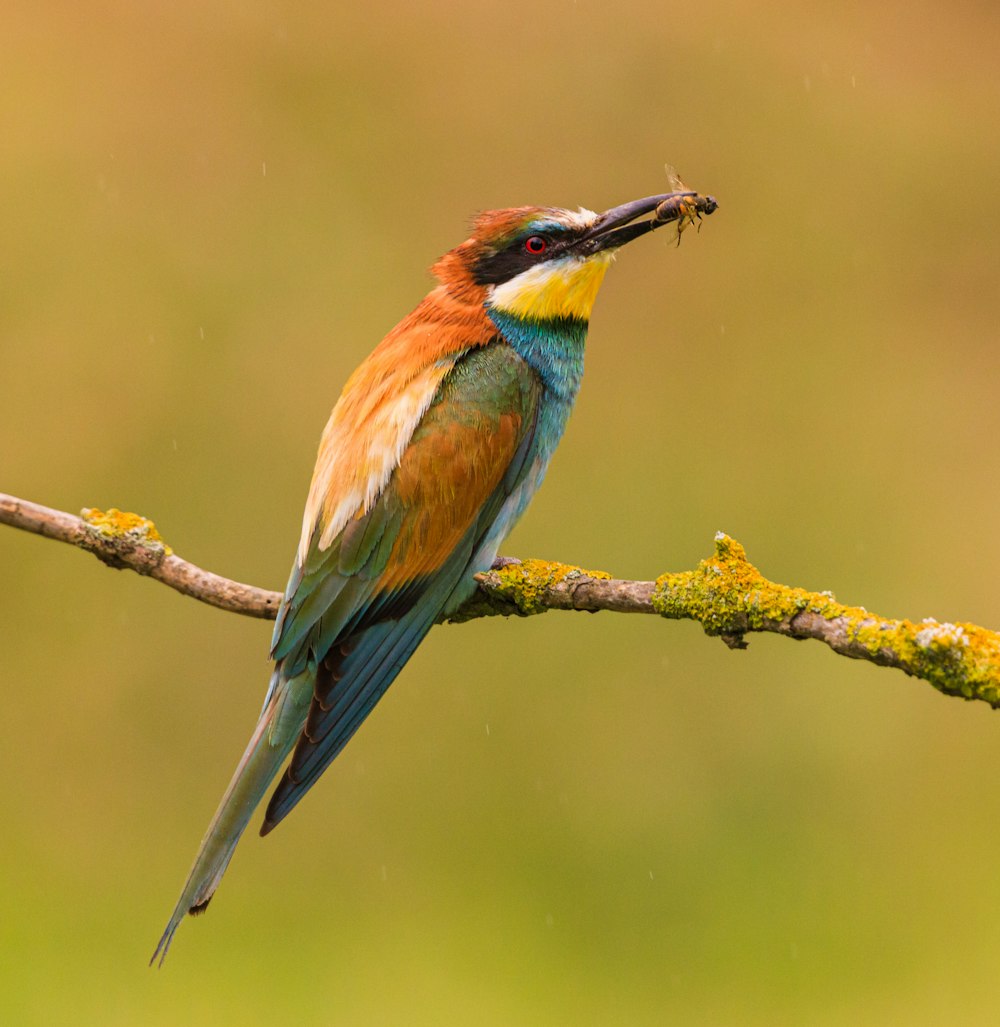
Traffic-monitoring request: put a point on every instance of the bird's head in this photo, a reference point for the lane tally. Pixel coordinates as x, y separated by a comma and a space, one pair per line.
543, 263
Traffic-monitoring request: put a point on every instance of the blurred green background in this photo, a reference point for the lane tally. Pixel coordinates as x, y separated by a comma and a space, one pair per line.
210, 212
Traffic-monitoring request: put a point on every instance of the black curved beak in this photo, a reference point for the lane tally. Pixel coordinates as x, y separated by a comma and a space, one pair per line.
617, 226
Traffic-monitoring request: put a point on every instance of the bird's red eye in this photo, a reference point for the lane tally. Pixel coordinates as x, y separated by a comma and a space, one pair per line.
536, 244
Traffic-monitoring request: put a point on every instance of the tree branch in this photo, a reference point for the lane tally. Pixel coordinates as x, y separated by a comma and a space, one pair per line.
126, 540
726, 594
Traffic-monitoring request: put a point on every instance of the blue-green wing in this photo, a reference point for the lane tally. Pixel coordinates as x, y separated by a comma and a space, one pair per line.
357, 610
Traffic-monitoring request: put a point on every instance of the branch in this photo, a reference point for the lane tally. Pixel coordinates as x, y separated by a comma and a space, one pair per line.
730, 598
126, 540
726, 594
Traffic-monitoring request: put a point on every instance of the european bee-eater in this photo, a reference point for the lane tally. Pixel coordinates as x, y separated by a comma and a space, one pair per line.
437, 443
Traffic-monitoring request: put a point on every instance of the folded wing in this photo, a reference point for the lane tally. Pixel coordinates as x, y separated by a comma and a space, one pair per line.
358, 608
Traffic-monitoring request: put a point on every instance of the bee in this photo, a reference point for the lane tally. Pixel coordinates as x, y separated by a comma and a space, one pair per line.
684, 205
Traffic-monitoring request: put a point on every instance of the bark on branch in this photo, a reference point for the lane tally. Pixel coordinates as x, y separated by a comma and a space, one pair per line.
126, 540
726, 594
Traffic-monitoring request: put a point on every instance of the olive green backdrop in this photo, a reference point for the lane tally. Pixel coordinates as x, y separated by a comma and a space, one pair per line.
210, 211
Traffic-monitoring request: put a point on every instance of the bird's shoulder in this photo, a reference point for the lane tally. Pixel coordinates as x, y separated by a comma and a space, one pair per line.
381, 405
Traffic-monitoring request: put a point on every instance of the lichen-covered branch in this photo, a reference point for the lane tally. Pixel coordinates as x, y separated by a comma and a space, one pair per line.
726, 594
730, 598
126, 540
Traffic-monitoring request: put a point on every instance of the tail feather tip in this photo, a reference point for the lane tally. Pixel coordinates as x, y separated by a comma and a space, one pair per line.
163, 945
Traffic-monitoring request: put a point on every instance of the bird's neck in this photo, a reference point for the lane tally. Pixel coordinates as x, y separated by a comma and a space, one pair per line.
553, 348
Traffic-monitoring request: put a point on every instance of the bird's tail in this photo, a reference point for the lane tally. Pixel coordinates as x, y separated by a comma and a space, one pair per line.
272, 741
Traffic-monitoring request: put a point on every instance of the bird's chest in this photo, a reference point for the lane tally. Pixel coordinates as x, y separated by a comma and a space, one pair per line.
553, 349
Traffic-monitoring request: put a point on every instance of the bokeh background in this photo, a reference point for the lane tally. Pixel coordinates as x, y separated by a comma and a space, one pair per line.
210, 212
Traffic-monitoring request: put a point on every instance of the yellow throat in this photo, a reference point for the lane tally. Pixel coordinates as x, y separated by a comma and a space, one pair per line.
566, 287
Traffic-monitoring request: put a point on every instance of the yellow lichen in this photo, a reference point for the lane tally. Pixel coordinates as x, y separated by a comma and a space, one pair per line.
727, 594
524, 584
114, 523
729, 597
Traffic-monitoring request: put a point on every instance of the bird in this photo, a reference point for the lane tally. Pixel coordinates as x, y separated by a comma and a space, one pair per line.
436, 445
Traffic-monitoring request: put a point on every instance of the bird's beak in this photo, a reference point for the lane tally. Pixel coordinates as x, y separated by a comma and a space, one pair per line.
617, 226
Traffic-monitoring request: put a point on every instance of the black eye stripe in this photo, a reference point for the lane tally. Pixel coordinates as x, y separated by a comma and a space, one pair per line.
517, 256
